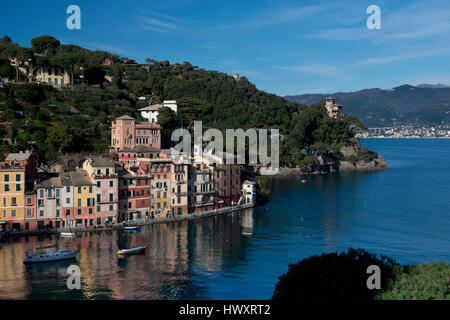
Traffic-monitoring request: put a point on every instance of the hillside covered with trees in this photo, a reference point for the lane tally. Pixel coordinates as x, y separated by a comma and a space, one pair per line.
77, 117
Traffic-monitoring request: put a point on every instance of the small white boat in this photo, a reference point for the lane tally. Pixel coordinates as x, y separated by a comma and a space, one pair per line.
67, 234
64, 254
132, 250
303, 181
129, 228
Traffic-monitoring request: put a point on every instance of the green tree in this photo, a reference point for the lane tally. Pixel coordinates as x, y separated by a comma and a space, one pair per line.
46, 45
167, 119
58, 138
94, 75
428, 281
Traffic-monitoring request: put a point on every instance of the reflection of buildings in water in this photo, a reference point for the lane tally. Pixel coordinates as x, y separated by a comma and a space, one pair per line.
247, 222
177, 254
218, 241
12, 283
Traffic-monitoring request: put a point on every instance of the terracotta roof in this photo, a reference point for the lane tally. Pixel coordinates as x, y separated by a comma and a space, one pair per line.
330, 98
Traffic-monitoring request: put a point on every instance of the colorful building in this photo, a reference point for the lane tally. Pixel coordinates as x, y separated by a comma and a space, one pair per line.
103, 172
126, 132
134, 196
14, 173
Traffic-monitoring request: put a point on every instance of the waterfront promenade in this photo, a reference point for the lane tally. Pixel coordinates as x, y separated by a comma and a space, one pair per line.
146, 221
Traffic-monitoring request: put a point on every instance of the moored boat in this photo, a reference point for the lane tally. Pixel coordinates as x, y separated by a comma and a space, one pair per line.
64, 254
132, 250
66, 234
129, 228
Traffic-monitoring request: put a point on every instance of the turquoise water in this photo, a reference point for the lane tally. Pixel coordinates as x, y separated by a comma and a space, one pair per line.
402, 212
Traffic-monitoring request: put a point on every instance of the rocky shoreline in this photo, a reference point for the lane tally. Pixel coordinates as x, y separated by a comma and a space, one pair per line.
338, 166
326, 164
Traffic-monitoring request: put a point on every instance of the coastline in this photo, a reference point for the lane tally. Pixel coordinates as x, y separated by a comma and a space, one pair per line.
142, 222
378, 164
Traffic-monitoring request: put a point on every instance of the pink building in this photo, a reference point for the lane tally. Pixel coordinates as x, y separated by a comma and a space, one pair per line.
103, 172
126, 133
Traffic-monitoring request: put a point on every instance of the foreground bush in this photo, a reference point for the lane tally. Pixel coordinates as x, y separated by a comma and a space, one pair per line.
332, 276
343, 276
428, 281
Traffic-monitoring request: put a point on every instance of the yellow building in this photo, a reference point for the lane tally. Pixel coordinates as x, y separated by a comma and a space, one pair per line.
12, 195
55, 76
160, 170
83, 198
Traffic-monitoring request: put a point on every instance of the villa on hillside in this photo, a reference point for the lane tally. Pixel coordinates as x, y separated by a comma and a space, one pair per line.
334, 110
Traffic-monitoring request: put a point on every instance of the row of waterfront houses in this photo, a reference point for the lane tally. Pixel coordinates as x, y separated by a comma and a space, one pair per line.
140, 181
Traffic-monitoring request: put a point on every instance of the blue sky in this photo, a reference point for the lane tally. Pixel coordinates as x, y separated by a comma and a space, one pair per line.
284, 47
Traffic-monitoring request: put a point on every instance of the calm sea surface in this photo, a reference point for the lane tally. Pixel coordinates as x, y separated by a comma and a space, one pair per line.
403, 212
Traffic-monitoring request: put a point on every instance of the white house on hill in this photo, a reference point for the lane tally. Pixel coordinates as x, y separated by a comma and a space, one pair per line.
151, 112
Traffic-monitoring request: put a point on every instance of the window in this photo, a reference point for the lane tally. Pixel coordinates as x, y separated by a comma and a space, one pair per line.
57, 212
98, 209
13, 201
6, 187
107, 171
17, 177
6, 177
98, 184
41, 213
90, 189
49, 193
79, 202
99, 171
67, 212
111, 197
57, 193
67, 189
67, 200
111, 183
79, 211
110, 207
129, 204
90, 210
41, 193
143, 203
98, 198
29, 201
79, 189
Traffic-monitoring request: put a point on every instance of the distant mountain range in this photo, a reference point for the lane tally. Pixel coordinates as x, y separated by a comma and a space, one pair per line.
423, 104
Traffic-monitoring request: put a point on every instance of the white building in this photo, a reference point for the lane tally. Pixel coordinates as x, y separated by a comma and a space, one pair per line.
249, 192
151, 112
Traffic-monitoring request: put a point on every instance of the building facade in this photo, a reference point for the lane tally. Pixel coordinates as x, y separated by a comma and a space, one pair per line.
126, 133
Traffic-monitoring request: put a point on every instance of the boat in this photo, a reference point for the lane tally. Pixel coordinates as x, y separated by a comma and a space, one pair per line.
57, 255
132, 250
64, 254
303, 181
129, 228
66, 234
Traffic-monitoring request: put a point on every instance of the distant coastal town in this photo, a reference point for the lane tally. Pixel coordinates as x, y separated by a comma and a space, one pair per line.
407, 131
